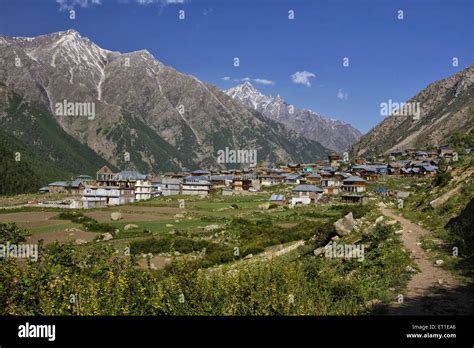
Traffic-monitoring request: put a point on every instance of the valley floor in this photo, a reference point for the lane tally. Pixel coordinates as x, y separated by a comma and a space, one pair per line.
232, 255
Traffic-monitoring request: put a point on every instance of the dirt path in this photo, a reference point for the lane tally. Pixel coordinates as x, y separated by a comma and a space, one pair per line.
433, 290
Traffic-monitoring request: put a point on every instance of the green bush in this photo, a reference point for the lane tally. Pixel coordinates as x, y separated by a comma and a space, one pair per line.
166, 245
11, 233
98, 227
441, 179
88, 223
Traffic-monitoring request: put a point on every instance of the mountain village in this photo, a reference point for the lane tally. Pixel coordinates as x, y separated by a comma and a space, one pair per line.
137, 186
334, 179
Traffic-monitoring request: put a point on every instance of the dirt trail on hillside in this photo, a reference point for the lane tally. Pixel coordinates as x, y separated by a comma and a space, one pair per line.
433, 290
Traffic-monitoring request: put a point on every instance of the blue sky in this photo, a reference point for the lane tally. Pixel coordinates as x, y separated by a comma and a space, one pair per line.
389, 58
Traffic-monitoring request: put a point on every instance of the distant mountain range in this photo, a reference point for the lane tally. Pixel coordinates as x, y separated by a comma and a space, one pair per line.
147, 116
445, 107
331, 133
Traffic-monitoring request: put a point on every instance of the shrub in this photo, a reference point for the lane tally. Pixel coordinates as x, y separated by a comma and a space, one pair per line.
98, 227
11, 233
75, 217
441, 179
88, 223
167, 244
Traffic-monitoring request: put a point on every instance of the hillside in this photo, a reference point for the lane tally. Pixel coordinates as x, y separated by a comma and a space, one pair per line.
164, 119
446, 106
47, 151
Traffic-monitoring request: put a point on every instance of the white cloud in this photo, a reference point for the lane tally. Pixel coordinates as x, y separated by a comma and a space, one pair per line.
264, 81
302, 77
226, 78
70, 4
256, 80
342, 95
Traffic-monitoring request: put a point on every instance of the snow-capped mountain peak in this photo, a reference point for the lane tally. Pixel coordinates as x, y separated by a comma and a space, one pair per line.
333, 134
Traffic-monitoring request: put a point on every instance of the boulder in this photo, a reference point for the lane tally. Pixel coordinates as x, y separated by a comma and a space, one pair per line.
439, 262
211, 227
373, 303
249, 256
319, 251
106, 236
441, 200
80, 241
180, 216
345, 225
379, 219
403, 194
130, 227
115, 216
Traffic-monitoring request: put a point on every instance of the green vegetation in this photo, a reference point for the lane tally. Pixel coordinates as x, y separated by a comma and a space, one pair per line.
47, 151
88, 223
461, 141
166, 244
16, 176
103, 282
443, 176
11, 233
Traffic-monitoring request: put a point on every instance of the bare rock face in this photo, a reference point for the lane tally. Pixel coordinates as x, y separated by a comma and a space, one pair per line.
345, 225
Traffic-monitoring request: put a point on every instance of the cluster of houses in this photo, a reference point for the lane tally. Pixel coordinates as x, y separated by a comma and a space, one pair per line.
310, 181
108, 188
413, 162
